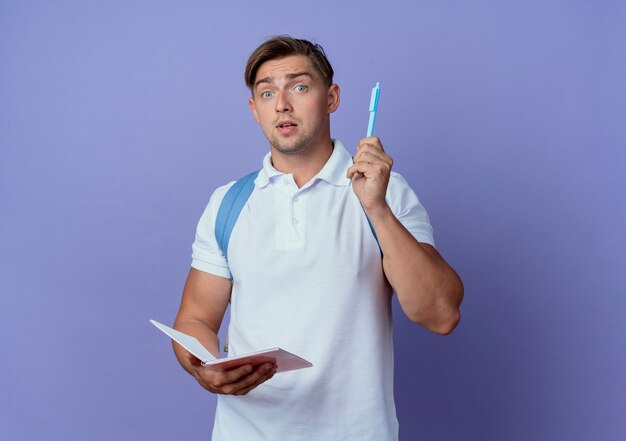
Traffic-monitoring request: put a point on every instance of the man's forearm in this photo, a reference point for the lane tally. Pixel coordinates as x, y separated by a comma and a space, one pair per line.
428, 289
203, 332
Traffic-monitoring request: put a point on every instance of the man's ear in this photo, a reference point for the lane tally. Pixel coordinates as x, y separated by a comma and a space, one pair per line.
253, 109
333, 97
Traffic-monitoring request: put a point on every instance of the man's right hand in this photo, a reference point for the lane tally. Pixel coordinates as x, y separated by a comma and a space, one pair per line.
237, 381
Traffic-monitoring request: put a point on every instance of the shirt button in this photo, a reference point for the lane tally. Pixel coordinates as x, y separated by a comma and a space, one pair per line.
295, 221
296, 199
286, 182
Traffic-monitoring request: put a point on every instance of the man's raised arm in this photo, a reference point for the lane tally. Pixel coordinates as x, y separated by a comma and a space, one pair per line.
429, 290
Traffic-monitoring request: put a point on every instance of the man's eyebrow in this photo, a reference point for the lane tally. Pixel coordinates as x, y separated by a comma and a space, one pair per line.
299, 74
262, 80
291, 76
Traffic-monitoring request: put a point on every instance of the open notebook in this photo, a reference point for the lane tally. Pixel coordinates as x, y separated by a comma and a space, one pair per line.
285, 361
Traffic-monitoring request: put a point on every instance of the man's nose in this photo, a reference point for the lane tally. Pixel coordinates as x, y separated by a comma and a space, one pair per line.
282, 103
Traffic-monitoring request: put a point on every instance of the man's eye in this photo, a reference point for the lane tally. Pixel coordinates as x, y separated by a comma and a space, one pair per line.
300, 88
266, 94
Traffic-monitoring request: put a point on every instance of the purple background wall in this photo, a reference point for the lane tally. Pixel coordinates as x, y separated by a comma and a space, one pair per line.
118, 119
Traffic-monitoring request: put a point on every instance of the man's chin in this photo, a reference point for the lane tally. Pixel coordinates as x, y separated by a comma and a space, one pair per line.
289, 147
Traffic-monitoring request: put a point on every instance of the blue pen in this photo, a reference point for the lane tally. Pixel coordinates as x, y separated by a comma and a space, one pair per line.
373, 109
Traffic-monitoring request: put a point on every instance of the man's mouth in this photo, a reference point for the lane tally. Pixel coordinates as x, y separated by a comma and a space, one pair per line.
286, 125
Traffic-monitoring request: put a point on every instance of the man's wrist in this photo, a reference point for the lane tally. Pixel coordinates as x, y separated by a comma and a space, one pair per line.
380, 214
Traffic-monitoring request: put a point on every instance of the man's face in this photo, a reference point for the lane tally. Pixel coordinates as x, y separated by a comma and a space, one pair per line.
291, 103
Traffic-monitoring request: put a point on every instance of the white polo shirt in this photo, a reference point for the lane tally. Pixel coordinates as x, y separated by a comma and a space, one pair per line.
307, 277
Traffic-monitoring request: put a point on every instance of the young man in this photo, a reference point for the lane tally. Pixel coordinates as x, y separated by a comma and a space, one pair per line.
306, 273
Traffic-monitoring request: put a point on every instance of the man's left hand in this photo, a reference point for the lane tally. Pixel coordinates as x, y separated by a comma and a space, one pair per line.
370, 175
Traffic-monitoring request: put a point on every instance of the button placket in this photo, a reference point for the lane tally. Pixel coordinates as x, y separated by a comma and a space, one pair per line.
287, 232
297, 210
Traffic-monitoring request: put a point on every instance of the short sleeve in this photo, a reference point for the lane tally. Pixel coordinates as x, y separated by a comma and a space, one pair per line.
408, 210
206, 254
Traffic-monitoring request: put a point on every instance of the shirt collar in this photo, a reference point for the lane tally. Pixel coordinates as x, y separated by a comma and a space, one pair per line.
333, 172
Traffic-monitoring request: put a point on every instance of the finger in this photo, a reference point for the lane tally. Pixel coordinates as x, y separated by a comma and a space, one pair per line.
370, 154
236, 374
369, 170
355, 176
372, 147
354, 172
257, 383
254, 386
247, 381
262, 379
216, 379
359, 170
373, 157
371, 140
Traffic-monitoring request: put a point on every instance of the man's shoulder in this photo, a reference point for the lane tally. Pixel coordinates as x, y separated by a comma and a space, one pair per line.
216, 198
239, 186
400, 194
221, 191
397, 184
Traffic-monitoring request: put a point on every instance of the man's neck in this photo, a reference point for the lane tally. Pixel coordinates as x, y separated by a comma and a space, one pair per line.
304, 165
